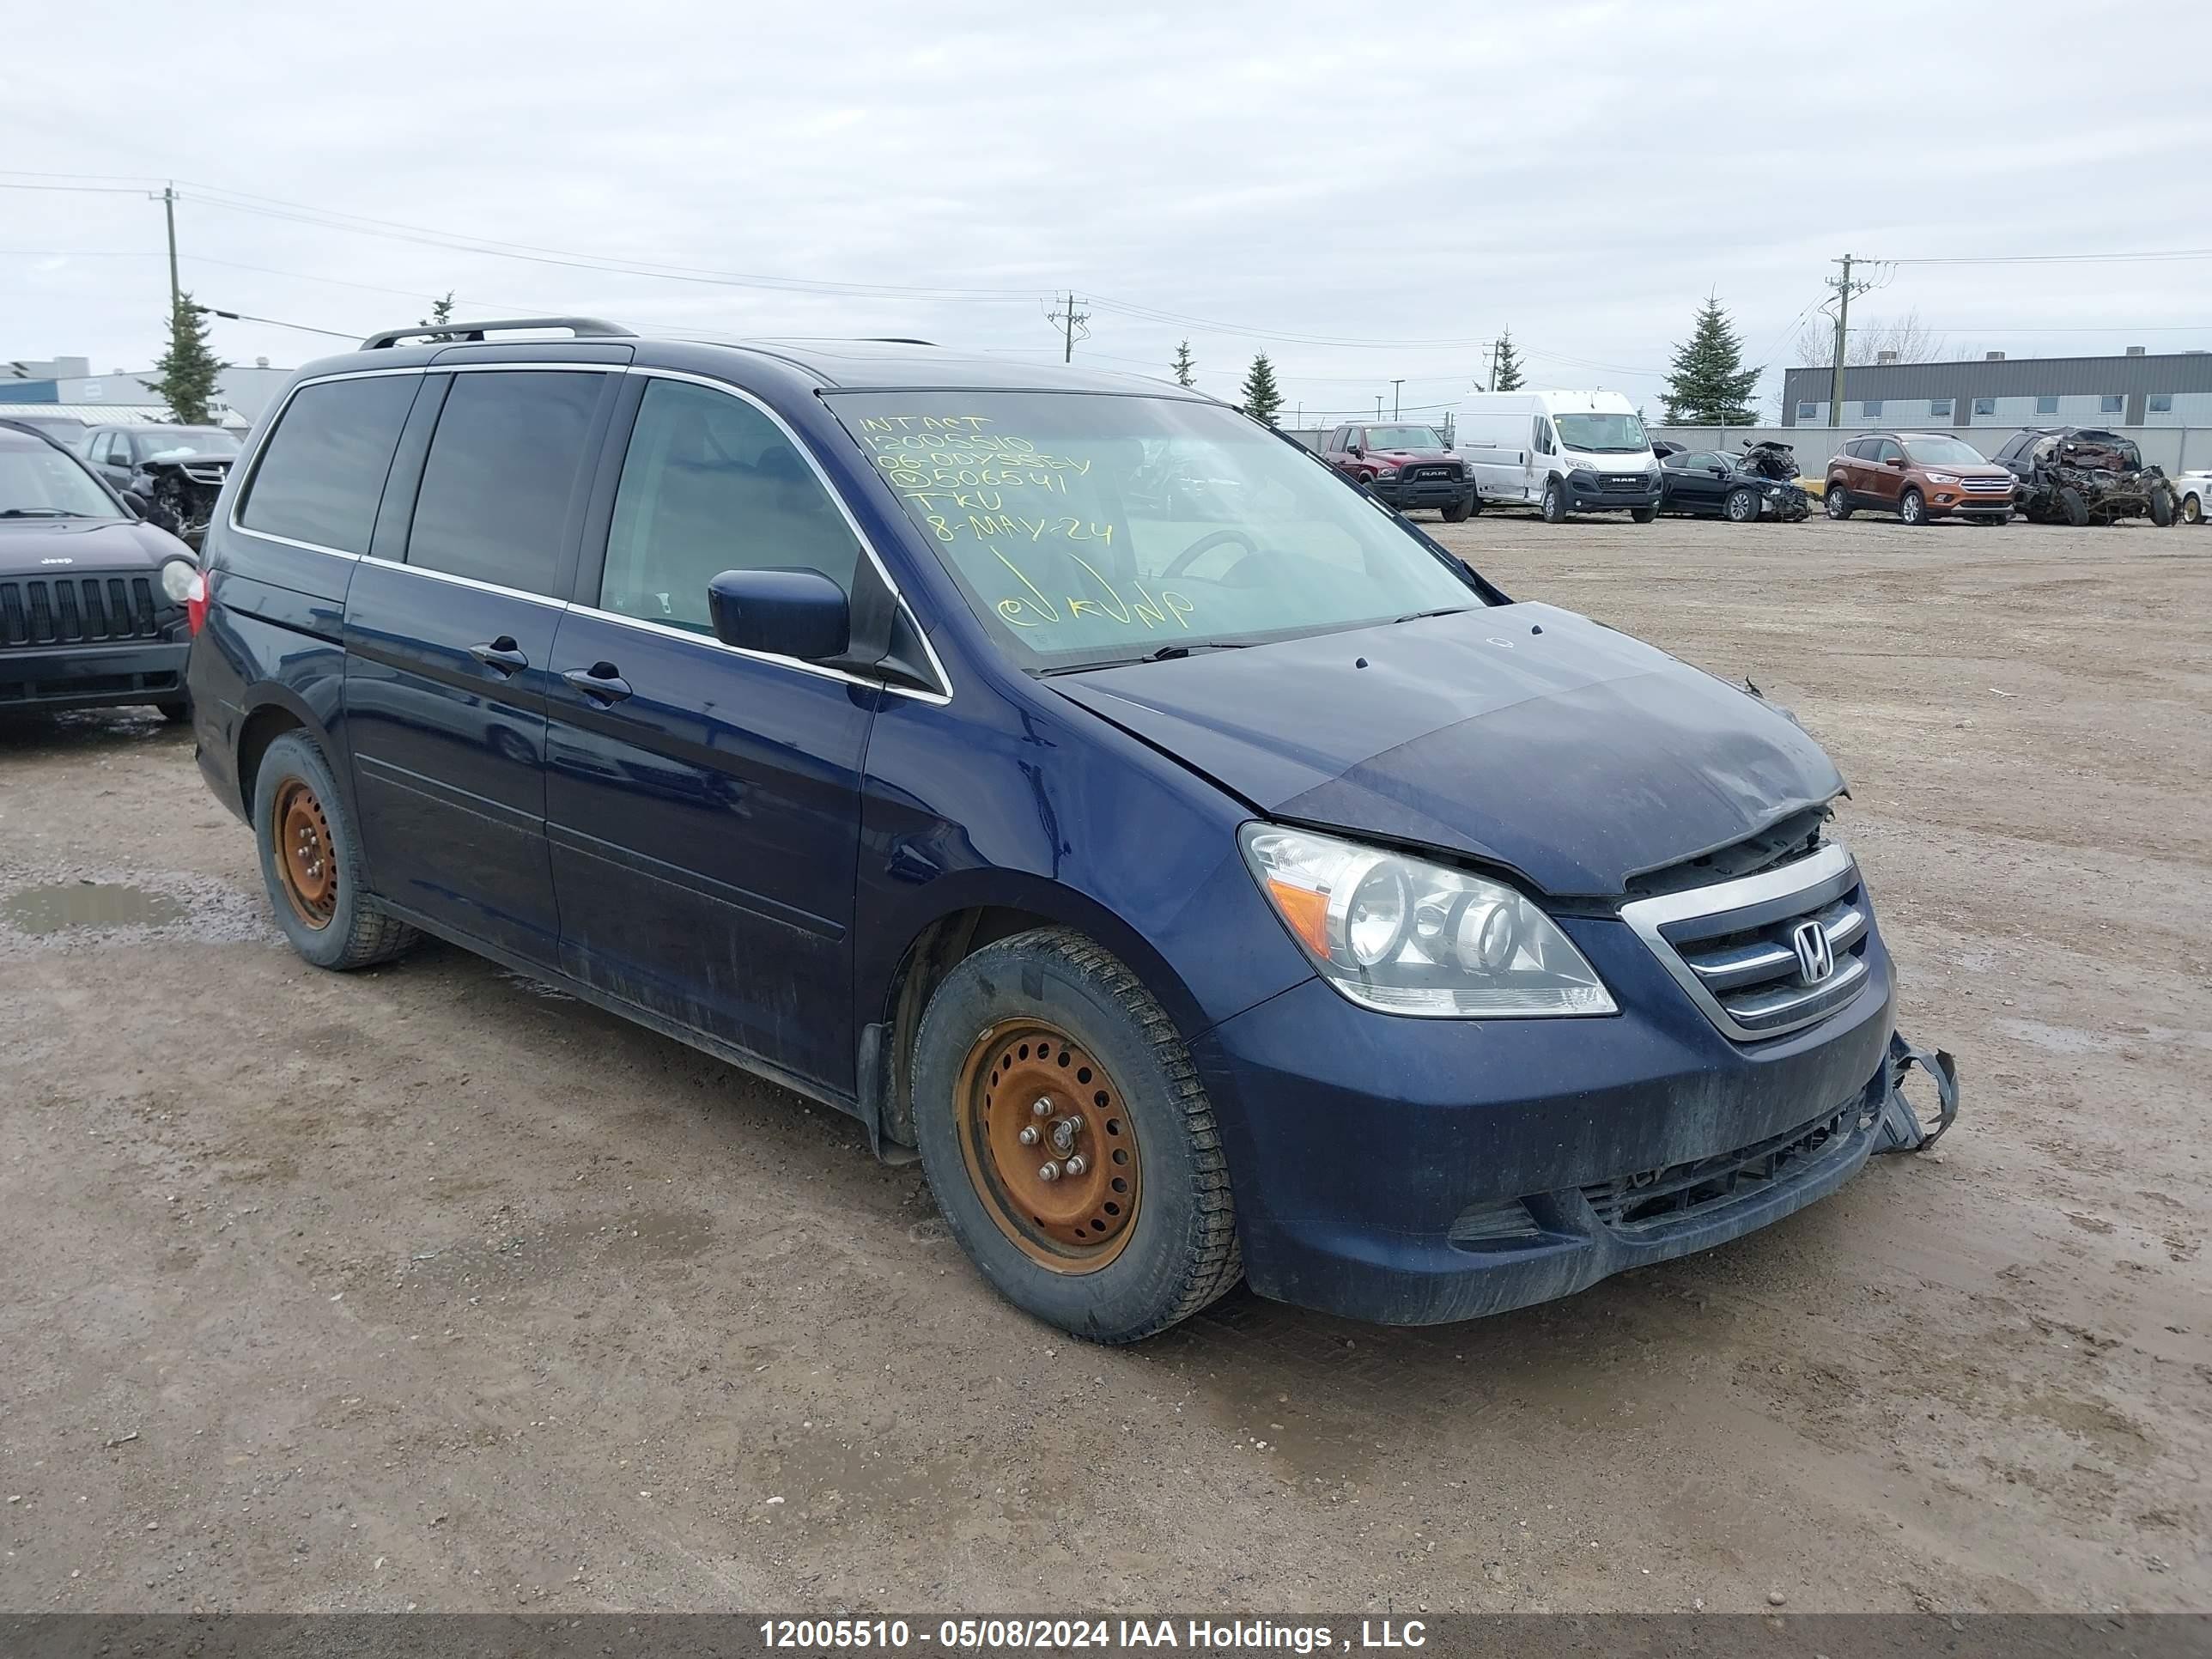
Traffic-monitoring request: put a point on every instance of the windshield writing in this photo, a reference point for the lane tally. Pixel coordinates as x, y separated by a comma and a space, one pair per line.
1089, 528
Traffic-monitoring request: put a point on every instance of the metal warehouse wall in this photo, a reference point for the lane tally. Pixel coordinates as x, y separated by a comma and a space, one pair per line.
2176, 448
2132, 380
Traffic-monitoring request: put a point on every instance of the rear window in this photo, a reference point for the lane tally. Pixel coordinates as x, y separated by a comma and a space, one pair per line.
322, 470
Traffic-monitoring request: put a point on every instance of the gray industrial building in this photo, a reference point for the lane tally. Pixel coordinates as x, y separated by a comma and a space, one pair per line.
2138, 389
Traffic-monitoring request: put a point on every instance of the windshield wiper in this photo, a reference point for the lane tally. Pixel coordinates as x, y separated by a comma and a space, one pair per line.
1420, 616
1165, 653
41, 512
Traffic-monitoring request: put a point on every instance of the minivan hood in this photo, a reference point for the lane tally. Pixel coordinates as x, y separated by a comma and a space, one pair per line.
1522, 735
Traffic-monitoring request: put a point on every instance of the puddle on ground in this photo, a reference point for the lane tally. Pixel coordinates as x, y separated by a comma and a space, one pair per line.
87, 904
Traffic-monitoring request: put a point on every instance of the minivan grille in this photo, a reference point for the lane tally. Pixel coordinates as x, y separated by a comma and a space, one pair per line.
1765, 954
1681, 1192
39, 610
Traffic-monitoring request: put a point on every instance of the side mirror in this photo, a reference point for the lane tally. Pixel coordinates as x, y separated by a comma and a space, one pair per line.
137, 503
786, 613
1898, 461
1718, 472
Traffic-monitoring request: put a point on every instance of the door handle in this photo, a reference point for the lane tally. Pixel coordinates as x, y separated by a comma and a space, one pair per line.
602, 682
500, 654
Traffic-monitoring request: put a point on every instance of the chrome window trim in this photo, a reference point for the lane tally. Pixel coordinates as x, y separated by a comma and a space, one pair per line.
940, 696
252, 458
1646, 916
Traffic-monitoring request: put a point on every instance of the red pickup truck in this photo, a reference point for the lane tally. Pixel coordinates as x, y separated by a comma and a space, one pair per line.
1407, 466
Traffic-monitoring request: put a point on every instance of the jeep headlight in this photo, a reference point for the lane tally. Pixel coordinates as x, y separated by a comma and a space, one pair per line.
177, 578
1404, 936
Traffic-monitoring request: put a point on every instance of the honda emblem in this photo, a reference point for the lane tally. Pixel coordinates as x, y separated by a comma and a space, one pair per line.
1816, 959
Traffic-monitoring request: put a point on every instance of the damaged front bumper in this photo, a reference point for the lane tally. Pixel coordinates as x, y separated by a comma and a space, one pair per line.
1413, 1172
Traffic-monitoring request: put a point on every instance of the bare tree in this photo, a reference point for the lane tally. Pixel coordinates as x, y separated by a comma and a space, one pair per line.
1908, 338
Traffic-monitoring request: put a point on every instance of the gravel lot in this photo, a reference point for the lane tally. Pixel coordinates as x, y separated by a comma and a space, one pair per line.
429, 1288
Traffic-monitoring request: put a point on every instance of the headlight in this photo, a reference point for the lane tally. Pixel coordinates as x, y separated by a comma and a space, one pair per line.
1406, 936
1774, 492
177, 578
1942, 477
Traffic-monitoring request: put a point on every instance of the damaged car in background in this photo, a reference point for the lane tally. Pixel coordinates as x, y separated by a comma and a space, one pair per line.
2078, 475
1706, 484
171, 474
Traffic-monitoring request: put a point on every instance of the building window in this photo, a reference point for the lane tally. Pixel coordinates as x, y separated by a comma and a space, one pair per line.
2046, 405
1986, 405
1809, 411
1939, 409
2161, 403
1871, 410
2109, 405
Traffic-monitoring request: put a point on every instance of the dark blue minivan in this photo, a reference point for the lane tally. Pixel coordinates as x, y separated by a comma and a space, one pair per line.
1205, 873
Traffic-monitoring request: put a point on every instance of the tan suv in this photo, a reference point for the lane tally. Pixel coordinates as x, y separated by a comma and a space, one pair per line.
1919, 475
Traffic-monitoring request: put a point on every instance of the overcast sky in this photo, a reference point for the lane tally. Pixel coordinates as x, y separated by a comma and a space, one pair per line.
1282, 175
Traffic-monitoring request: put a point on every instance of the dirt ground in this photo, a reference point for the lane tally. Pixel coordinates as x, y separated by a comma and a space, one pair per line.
428, 1288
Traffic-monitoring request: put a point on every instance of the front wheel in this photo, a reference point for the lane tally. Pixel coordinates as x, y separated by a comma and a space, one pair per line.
1457, 511
2076, 505
1742, 505
1912, 508
1069, 1141
2192, 510
1836, 501
1643, 515
2162, 506
1555, 502
311, 862
175, 710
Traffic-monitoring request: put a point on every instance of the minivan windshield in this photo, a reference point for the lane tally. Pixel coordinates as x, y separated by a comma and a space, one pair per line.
1941, 451
1413, 439
38, 481
1091, 528
1602, 435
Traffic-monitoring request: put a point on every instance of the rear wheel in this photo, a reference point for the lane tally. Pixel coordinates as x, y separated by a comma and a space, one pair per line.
1741, 506
1838, 503
1069, 1141
1555, 502
2075, 504
311, 862
1912, 508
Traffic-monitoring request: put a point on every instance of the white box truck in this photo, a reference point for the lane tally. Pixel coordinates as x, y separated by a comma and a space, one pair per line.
1559, 452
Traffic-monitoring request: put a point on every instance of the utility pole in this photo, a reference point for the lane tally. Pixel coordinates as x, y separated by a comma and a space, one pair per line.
1394, 384
169, 213
1497, 346
1845, 289
1378, 405
1069, 319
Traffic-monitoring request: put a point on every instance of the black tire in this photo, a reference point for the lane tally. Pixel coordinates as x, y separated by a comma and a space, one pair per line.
1457, 512
1181, 1250
1912, 508
2162, 506
1741, 506
354, 934
2076, 506
1643, 515
2192, 509
176, 710
1554, 506
1837, 501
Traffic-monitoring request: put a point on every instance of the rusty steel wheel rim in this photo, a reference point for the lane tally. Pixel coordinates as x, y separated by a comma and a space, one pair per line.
306, 863
1049, 1145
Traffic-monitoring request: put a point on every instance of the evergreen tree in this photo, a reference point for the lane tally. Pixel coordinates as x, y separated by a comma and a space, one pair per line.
1183, 364
1708, 386
1505, 370
1261, 398
441, 311
185, 375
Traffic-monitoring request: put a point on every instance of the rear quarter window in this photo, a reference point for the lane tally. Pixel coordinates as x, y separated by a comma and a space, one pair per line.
322, 473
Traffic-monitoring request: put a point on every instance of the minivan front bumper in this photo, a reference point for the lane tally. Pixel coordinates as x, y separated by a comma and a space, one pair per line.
1413, 1172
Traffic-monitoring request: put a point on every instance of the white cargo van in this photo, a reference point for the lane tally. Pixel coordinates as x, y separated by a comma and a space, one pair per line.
1564, 452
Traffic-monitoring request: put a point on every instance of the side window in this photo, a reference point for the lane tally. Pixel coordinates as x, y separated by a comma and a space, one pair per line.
322, 473
1539, 435
710, 483
508, 454
1885, 451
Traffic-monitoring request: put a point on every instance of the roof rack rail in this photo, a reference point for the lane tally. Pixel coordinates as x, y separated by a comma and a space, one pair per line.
897, 339
581, 327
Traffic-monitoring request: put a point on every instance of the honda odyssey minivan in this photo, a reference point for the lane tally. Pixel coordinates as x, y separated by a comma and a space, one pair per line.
1263, 894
